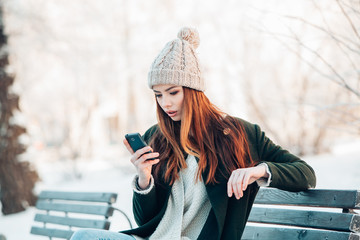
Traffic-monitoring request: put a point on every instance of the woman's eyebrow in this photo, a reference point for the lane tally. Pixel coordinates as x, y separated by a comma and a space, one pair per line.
170, 88
166, 90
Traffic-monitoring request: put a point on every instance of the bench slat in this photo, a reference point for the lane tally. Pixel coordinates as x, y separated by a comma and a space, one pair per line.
313, 197
75, 208
74, 222
52, 232
80, 196
304, 218
270, 233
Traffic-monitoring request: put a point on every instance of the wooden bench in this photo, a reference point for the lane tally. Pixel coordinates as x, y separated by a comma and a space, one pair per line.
64, 212
276, 215
313, 214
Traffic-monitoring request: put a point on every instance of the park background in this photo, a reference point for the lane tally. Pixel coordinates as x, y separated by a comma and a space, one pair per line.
80, 72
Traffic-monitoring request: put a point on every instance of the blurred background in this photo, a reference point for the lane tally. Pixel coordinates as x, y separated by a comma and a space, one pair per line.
74, 82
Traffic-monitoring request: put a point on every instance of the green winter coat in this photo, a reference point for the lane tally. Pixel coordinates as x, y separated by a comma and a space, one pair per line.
228, 216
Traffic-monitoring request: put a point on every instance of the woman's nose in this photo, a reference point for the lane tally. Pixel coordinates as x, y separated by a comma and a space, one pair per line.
166, 102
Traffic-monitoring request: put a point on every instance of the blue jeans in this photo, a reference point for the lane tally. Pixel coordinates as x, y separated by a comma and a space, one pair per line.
96, 234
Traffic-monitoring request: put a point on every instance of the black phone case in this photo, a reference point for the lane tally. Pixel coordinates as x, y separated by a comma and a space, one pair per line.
135, 140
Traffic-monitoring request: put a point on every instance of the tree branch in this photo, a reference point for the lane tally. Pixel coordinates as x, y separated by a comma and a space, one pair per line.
342, 82
349, 19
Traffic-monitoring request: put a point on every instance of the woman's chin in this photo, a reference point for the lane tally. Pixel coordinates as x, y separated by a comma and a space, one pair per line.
176, 119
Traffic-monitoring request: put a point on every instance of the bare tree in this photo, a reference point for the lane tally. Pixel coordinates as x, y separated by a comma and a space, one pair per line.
337, 59
320, 90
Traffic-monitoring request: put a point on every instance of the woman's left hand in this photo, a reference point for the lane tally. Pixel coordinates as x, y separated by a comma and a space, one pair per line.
242, 177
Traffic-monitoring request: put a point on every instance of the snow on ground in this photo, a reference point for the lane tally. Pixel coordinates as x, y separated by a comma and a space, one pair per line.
96, 176
339, 170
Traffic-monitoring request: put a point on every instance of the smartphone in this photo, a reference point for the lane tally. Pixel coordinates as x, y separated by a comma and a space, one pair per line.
136, 142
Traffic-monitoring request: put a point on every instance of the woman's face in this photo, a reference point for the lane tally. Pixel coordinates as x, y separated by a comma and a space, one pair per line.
170, 99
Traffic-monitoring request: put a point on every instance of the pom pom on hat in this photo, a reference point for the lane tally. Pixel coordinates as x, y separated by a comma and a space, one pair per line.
178, 63
191, 35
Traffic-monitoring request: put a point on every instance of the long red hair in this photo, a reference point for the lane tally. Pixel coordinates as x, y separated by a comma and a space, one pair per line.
205, 132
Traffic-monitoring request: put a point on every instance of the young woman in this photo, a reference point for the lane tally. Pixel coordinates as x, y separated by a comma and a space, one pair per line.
208, 165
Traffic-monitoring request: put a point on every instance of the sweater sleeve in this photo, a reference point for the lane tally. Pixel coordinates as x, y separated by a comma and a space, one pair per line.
137, 189
288, 172
264, 182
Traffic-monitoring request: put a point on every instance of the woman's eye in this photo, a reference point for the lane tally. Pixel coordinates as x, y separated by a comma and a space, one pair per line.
174, 93
157, 95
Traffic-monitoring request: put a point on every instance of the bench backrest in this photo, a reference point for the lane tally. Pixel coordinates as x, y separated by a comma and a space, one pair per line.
63, 212
312, 214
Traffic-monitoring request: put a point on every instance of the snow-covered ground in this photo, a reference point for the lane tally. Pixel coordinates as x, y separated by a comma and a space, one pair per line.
96, 176
339, 170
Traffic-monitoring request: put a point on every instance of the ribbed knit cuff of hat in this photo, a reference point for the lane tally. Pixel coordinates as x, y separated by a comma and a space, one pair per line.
174, 77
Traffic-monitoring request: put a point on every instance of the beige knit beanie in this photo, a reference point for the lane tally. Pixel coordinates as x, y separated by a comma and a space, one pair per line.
177, 63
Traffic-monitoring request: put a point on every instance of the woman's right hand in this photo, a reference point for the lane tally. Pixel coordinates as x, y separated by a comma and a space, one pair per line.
142, 165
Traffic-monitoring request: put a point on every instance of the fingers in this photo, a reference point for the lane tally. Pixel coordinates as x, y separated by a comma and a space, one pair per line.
127, 145
229, 185
140, 154
234, 184
149, 163
237, 183
245, 182
147, 157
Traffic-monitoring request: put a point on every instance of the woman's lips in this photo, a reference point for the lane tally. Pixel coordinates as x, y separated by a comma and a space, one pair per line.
172, 113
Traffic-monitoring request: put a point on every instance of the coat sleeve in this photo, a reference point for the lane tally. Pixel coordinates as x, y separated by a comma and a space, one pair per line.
288, 171
144, 206
145, 203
